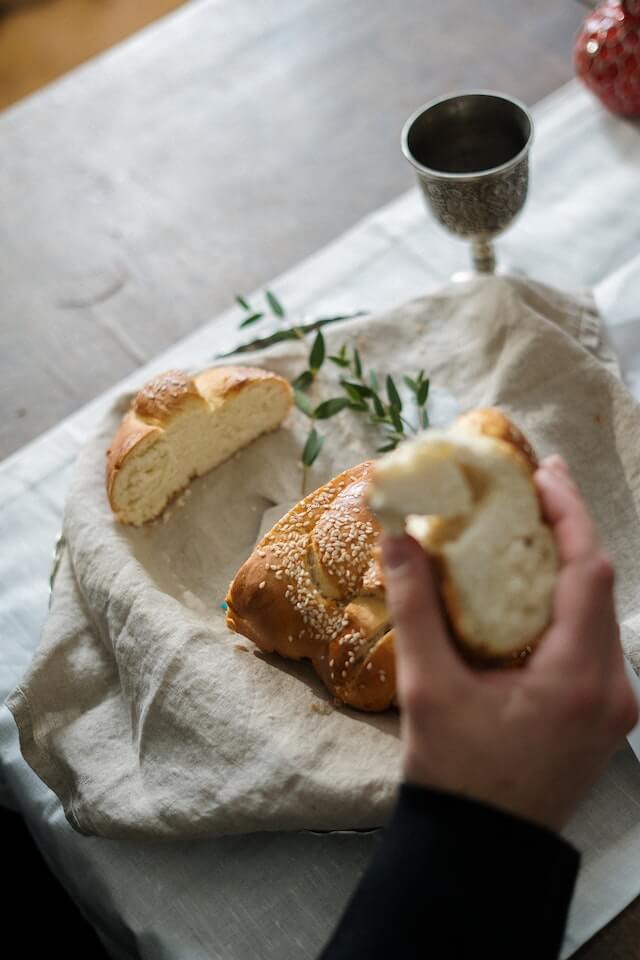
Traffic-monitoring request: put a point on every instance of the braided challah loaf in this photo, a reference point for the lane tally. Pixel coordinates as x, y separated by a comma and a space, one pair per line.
313, 588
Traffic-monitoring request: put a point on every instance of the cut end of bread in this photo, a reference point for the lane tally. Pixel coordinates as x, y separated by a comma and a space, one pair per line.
195, 428
420, 477
468, 497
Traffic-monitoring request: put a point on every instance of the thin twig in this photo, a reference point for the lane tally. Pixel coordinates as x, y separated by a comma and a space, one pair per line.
289, 333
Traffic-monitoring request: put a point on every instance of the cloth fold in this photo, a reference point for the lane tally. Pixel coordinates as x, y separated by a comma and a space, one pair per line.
146, 715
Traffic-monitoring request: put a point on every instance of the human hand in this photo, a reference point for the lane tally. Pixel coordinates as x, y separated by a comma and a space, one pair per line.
529, 740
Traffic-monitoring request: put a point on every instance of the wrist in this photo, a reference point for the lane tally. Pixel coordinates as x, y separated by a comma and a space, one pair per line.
540, 815
478, 854
549, 809
467, 811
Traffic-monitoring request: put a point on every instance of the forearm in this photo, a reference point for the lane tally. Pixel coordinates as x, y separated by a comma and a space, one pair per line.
456, 878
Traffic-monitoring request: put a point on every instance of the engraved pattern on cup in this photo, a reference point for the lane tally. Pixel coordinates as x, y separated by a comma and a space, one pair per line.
478, 208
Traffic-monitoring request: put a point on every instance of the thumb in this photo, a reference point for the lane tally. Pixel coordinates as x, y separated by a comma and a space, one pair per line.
424, 647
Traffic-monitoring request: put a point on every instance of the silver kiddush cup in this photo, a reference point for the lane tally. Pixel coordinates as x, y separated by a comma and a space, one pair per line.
470, 151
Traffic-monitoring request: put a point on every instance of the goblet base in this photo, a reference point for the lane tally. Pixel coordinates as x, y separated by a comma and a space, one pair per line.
463, 276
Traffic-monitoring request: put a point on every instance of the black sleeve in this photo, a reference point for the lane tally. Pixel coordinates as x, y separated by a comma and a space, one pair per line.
453, 878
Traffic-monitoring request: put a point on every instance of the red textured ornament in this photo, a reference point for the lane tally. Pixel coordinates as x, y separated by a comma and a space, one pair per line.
607, 55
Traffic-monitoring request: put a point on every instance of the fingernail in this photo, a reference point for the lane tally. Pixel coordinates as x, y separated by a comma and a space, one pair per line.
556, 462
394, 552
548, 482
546, 476
545, 471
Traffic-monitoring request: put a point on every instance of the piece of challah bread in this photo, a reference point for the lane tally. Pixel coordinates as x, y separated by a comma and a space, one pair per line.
179, 427
467, 495
313, 588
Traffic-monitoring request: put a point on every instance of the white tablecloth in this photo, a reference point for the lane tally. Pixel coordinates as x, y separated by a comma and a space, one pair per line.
278, 895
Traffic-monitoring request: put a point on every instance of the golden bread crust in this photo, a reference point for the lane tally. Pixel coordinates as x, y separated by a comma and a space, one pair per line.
491, 422
129, 436
218, 383
311, 589
162, 397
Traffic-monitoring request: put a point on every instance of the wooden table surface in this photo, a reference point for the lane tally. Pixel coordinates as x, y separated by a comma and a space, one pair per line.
82, 28
208, 154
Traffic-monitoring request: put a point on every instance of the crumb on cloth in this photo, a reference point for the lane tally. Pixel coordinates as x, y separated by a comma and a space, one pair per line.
324, 709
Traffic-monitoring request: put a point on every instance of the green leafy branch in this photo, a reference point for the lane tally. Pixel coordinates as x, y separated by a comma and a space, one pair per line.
360, 390
252, 316
361, 393
275, 308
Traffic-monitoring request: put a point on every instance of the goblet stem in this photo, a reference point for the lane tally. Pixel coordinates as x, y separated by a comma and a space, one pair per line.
484, 258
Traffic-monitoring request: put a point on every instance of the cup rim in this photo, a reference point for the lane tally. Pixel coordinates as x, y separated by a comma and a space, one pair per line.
443, 175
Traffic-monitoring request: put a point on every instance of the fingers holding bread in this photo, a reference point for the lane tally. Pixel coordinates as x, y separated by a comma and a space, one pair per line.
566, 511
584, 599
428, 656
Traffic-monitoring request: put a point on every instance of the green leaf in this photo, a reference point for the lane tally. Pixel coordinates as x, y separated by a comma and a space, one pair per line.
358, 405
393, 395
360, 388
424, 418
303, 380
420, 377
312, 447
242, 302
423, 393
357, 363
303, 403
390, 433
339, 361
329, 408
396, 419
411, 384
378, 405
274, 304
316, 357
351, 391
384, 419
391, 445
252, 319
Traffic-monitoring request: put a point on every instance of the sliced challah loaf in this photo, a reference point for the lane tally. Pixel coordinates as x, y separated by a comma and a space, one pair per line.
179, 427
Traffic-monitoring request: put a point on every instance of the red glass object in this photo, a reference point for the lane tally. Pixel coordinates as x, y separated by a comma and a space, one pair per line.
607, 55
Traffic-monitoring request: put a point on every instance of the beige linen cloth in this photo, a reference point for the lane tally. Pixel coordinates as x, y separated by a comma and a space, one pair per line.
146, 715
